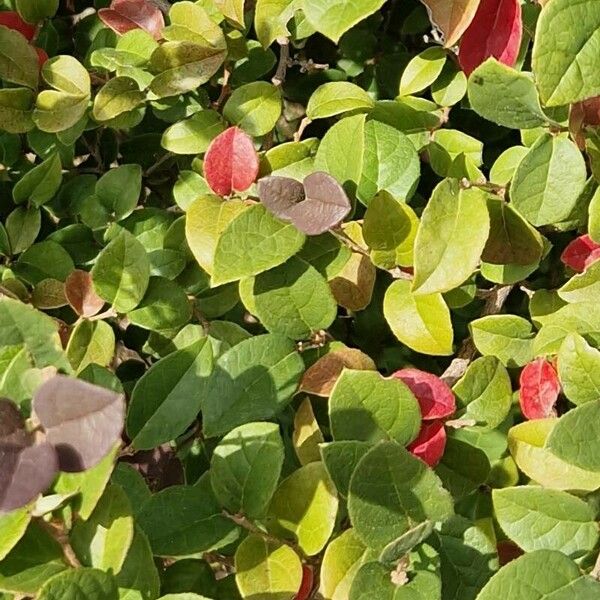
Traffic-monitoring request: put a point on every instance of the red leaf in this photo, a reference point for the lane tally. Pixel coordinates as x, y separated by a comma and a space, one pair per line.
578, 253
231, 162
430, 443
435, 397
125, 15
42, 56
496, 31
539, 389
306, 586
13, 20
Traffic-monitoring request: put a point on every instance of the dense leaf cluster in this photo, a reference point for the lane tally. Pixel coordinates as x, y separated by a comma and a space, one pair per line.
298, 299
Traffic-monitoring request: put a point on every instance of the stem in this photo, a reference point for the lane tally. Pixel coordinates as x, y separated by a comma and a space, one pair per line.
163, 159
225, 89
58, 533
284, 59
243, 522
110, 313
493, 305
303, 125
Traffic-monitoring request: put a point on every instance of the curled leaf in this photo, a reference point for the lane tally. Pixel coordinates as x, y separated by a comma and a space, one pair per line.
434, 396
451, 17
496, 30
539, 389
314, 206
82, 421
126, 15
430, 443
580, 253
308, 580
231, 162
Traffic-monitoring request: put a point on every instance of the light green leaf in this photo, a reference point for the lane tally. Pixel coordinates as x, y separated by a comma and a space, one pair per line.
91, 342
583, 287
12, 529
422, 70
191, 22
104, 539
40, 184
193, 135
507, 337
365, 406
579, 370
252, 381
387, 223
97, 584
548, 180
520, 107
540, 575
292, 299
57, 111
253, 242
506, 164
304, 507
526, 443
565, 65
122, 272
451, 237
233, 10
267, 570
254, 107
166, 399
18, 59
421, 322
337, 97
245, 468
333, 18
181, 520
391, 492
540, 519
576, 438
117, 96
484, 392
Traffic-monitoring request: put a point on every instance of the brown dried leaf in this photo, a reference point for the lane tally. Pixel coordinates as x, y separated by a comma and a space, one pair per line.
353, 286
81, 295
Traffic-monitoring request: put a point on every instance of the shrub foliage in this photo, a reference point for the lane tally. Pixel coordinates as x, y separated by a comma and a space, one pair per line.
299, 299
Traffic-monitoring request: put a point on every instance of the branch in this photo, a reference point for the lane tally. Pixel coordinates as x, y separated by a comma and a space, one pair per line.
493, 305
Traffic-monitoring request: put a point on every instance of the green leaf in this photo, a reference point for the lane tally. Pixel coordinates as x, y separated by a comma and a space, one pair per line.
422, 71
526, 443
267, 570
254, 107
33, 560
91, 342
181, 520
57, 111
579, 370
18, 59
193, 135
164, 306
387, 223
340, 459
576, 439
16, 110
245, 468
12, 528
512, 240
45, 260
40, 184
507, 337
304, 507
451, 237
183, 67
121, 272
540, 519
421, 322
292, 299
191, 22
119, 190
252, 381
582, 287
391, 491
165, 400
22, 226
365, 406
333, 18
506, 164
564, 66
253, 242
540, 575
342, 559
34, 11
468, 557
104, 539
520, 108
484, 392
271, 18
548, 180
70, 584
337, 97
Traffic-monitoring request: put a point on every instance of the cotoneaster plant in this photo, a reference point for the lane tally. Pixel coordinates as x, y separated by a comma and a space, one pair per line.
299, 300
